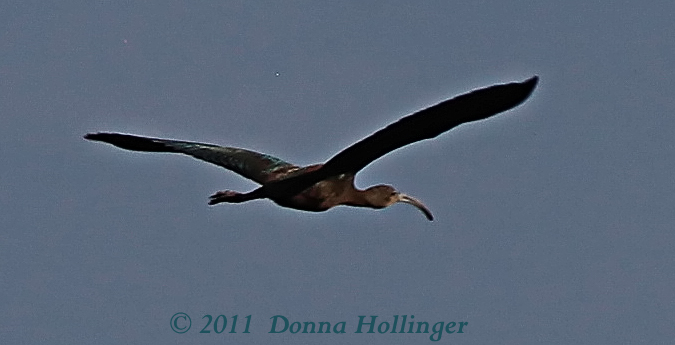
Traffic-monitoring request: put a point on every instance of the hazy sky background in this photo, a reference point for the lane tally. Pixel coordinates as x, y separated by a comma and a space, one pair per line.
554, 222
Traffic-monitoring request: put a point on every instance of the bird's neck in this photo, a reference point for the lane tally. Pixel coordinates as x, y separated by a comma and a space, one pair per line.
358, 198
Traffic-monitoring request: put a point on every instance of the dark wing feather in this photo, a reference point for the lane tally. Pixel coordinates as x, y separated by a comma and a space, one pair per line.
429, 123
252, 165
424, 124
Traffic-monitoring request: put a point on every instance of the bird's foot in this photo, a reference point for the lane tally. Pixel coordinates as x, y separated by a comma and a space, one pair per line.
225, 196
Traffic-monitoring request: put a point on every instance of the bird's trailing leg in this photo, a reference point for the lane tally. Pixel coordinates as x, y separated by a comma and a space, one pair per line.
231, 197
226, 196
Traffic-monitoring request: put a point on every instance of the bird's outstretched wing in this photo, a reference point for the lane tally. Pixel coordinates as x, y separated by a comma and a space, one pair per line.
425, 124
429, 123
256, 166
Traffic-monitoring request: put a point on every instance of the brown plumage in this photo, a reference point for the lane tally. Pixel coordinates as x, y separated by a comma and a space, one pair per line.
322, 186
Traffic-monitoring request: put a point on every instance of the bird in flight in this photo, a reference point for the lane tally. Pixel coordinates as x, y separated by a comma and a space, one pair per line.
322, 186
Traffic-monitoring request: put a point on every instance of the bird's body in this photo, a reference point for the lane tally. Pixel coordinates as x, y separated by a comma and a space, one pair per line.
322, 186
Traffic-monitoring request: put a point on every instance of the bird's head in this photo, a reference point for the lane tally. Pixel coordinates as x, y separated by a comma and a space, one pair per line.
382, 196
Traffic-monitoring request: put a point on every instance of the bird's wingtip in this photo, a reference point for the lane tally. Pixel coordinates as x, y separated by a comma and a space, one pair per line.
94, 136
99, 136
528, 86
532, 81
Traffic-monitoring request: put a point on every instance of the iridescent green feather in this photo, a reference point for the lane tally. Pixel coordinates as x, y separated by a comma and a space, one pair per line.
256, 166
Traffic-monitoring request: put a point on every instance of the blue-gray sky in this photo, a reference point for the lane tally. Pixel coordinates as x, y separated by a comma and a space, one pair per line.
554, 222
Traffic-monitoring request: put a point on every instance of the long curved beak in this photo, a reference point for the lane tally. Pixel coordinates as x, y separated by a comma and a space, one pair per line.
412, 201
